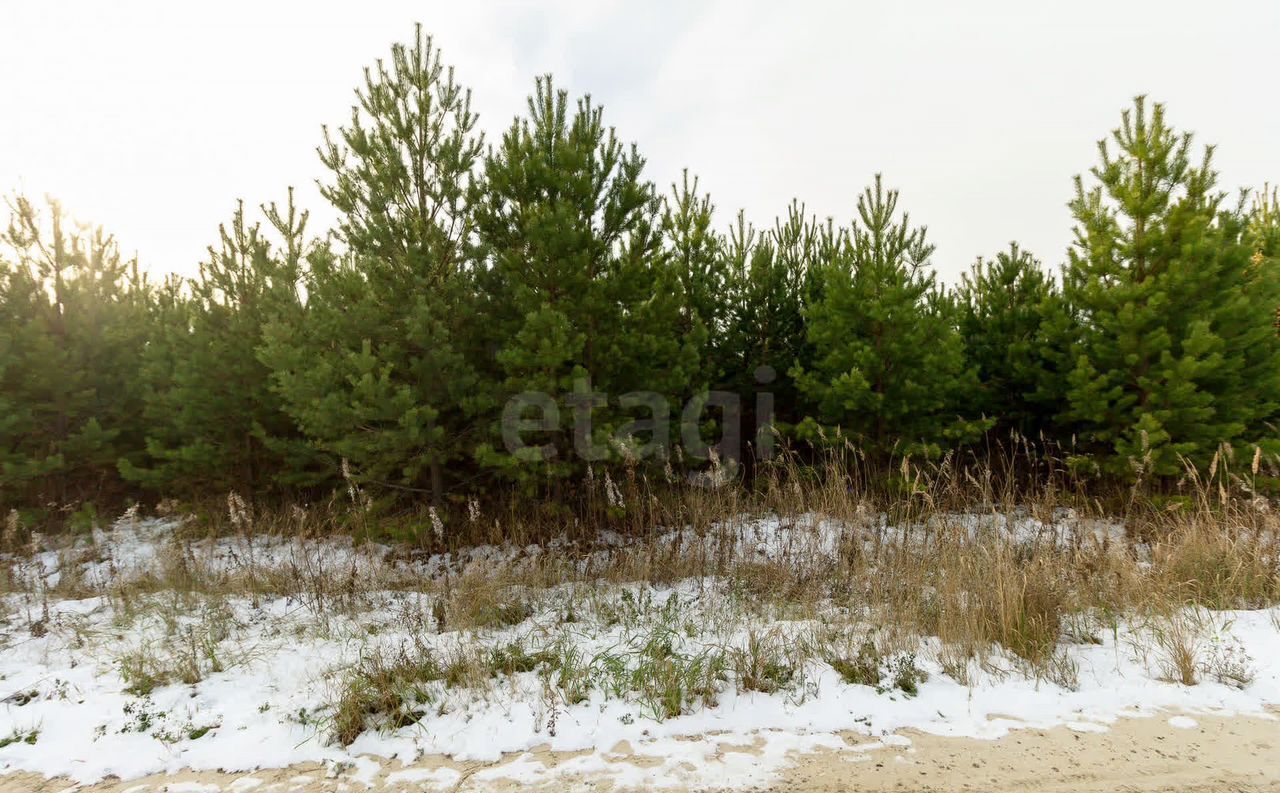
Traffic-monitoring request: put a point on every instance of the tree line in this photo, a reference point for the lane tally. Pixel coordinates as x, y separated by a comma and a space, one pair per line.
382, 354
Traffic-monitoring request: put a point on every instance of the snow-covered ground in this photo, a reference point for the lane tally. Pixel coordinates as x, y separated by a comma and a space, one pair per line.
270, 668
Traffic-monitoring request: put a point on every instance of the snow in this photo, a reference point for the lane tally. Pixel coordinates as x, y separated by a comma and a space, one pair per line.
267, 707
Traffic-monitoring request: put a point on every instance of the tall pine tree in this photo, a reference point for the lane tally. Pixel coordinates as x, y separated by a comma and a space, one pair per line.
1177, 352
580, 292
376, 372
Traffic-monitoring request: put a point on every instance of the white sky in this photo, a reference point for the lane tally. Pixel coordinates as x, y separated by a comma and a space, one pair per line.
151, 118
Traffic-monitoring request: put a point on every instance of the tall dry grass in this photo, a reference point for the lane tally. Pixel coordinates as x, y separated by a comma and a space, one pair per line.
1010, 557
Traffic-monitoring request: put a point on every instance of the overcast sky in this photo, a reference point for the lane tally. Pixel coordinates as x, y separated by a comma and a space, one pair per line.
152, 118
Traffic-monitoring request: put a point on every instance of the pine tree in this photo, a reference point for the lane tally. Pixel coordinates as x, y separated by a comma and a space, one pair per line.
371, 375
889, 368
1177, 352
774, 277
376, 371
696, 252
581, 296
1264, 239
71, 334
215, 425
1011, 320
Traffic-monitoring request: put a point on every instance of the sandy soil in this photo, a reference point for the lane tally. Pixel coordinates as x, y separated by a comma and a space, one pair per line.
1137, 755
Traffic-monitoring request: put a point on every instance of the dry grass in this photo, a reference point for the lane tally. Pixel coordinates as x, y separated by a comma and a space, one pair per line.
480, 600
1012, 560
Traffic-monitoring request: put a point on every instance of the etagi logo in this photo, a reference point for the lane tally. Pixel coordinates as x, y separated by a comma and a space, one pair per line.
648, 433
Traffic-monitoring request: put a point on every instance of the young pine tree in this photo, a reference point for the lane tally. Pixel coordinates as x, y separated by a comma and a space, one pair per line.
1011, 320
889, 369
375, 371
214, 423
579, 291
696, 253
774, 277
1263, 237
1177, 353
72, 328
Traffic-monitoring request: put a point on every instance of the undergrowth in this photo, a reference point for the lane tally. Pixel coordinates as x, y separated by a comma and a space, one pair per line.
809, 573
